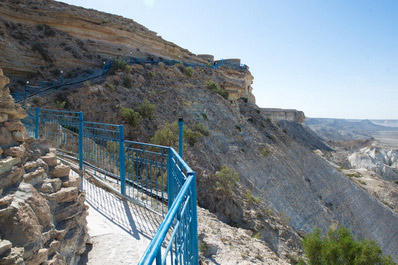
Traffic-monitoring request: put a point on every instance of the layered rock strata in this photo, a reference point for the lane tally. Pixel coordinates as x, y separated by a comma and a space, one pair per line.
42, 211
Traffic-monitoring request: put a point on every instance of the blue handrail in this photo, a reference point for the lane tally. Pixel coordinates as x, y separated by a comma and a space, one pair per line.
152, 174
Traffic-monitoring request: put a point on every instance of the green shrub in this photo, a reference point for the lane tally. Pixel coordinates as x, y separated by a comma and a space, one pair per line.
250, 198
339, 247
60, 104
127, 82
265, 151
119, 65
87, 83
132, 117
257, 235
199, 127
188, 71
191, 136
110, 86
147, 110
213, 86
204, 115
355, 175
152, 74
226, 179
167, 135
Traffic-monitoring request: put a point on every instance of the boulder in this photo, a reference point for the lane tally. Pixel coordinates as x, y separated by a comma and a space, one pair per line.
5, 246
60, 171
7, 163
50, 159
18, 136
15, 151
65, 194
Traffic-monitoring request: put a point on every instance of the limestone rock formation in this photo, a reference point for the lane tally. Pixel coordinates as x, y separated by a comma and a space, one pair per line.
42, 212
284, 114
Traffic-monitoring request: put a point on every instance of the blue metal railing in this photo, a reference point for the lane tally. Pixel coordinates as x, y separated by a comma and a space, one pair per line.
48, 86
156, 176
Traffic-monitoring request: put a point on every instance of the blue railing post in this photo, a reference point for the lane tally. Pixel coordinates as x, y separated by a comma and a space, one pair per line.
37, 119
122, 161
194, 224
81, 131
181, 137
170, 178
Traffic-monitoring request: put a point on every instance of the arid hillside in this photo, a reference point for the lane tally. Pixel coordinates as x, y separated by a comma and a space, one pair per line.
253, 173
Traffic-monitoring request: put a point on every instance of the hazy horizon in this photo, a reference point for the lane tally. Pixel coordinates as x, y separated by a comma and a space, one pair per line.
326, 58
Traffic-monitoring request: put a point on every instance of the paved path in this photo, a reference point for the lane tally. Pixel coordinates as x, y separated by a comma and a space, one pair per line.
120, 231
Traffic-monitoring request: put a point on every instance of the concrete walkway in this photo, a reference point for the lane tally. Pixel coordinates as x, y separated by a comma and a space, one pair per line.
120, 231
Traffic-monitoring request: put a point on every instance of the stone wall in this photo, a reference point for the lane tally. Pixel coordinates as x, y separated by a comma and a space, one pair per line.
284, 114
42, 211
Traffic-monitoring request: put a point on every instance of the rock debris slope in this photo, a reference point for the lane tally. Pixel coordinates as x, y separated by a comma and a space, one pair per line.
42, 211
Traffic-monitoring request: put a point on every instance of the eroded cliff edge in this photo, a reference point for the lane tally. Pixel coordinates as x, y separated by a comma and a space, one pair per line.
42, 211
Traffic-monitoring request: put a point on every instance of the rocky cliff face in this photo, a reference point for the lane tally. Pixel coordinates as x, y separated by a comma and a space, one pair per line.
284, 115
275, 162
42, 212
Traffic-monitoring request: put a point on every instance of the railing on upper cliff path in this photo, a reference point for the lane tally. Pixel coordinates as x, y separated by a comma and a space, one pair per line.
48, 86
152, 175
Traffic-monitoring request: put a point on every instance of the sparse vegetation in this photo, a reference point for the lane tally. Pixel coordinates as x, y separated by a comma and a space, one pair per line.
119, 65
147, 110
354, 175
167, 135
132, 117
213, 86
339, 247
257, 235
87, 83
42, 50
204, 115
226, 180
203, 246
250, 198
188, 71
265, 151
199, 127
110, 86
191, 136
127, 82
60, 104
152, 74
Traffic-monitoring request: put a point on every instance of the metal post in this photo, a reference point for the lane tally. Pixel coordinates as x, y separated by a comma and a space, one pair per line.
81, 130
170, 178
194, 225
37, 119
122, 161
181, 137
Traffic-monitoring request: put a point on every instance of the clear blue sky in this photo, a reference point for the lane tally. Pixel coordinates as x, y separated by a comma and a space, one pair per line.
335, 58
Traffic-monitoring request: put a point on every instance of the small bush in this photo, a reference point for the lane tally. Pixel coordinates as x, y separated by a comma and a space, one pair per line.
132, 117
257, 236
191, 136
199, 127
214, 87
113, 147
265, 151
167, 135
60, 104
226, 179
339, 247
127, 82
238, 128
119, 65
250, 198
355, 175
110, 86
152, 74
147, 110
188, 71
204, 115
87, 83
42, 50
